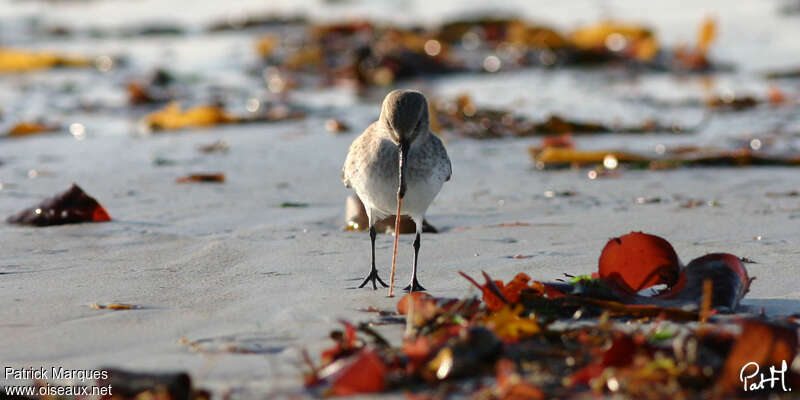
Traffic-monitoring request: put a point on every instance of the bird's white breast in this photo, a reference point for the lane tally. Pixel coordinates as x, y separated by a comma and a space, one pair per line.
377, 183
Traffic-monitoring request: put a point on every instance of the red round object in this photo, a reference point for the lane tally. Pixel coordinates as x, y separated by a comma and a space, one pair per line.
639, 260
415, 298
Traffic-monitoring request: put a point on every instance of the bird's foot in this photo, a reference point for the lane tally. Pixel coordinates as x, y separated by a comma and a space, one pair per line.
373, 276
414, 286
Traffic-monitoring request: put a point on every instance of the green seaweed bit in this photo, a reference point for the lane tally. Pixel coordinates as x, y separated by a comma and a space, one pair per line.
289, 204
587, 281
580, 279
662, 333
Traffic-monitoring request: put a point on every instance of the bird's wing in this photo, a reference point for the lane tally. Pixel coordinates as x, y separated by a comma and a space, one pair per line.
442, 151
351, 163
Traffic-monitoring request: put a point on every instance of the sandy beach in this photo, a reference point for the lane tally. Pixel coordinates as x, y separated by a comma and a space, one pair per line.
224, 265
230, 286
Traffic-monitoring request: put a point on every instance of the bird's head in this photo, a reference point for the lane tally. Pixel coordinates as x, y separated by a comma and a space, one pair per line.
405, 115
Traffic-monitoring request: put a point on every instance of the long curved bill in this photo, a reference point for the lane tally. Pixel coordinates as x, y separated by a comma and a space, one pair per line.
401, 192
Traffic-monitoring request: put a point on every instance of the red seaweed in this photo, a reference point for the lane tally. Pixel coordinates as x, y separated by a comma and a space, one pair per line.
71, 207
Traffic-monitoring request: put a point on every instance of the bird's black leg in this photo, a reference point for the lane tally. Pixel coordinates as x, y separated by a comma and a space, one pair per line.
373, 273
414, 286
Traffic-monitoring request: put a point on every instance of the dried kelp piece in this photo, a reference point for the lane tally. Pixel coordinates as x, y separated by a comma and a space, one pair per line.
71, 207
591, 297
474, 350
421, 307
728, 277
611, 39
350, 367
637, 261
357, 220
347, 343
492, 293
555, 157
113, 306
741, 157
202, 178
510, 326
464, 118
696, 58
12, 60
172, 117
266, 44
732, 103
364, 373
168, 386
292, 204
31, 128
498, 30
157, 87
240, 21
619, 354
651, 308
138, 94
512, 386
219, 146
774, 97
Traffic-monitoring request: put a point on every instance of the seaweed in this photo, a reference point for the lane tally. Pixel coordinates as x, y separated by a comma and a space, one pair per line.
173, 117
588, 337
202, 178
462, 117
559, 157
70, 207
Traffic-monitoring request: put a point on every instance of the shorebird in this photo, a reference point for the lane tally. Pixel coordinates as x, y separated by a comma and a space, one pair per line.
397, 166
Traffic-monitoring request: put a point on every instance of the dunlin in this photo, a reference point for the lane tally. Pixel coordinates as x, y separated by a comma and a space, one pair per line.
397, 166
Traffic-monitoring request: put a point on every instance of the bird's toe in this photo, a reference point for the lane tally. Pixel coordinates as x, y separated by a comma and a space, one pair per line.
414, 287
375, 279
